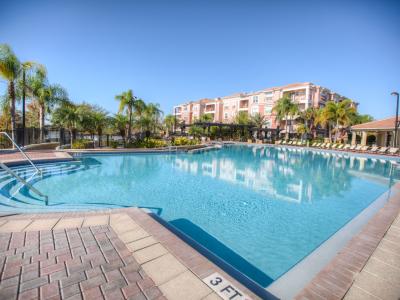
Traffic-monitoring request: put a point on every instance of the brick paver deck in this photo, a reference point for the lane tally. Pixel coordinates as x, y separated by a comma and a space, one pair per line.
380, 277
65, 263
42, 155
113, 254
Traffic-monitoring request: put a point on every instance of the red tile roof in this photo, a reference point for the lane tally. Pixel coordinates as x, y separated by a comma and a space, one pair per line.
377, 125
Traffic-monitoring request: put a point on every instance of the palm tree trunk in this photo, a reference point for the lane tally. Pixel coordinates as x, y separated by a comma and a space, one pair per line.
99, 132
71, 134
130, 123
41, 122
11, 93
287, 127
337, 131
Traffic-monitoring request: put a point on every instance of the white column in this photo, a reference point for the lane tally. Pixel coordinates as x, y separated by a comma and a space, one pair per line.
364, 138
353, 138
307, 97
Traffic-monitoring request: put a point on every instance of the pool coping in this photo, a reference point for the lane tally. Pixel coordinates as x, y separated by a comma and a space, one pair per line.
336, 277
346, 261
304, 272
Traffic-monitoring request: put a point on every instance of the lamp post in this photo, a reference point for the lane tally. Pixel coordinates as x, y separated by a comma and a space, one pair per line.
396, 125
23, 106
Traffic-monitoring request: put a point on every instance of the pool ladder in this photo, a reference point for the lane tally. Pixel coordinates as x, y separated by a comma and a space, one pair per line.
16, 176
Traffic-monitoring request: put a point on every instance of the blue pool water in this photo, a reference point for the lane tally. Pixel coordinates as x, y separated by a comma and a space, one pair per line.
261, 209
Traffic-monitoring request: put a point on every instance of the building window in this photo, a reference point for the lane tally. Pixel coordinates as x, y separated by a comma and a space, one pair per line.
268, 98
254, 110
226, 116
255, 99
268, 109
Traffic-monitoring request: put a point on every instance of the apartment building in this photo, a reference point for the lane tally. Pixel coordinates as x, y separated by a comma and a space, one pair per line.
225, 109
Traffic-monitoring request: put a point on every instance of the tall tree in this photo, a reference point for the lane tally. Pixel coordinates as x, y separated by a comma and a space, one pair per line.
127, 102
259, 121
284, 108
46, 95
119, 122
10, 69
169, 123
338, 114
153, 113
68, 116
242, 118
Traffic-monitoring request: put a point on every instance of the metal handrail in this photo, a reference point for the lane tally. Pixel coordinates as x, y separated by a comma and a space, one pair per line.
22, 151
19, 178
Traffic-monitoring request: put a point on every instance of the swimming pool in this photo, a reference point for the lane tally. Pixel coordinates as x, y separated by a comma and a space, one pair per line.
261, 209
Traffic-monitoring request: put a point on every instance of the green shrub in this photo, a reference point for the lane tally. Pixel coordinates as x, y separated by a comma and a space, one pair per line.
82, 144
147, 143
114, 144
182, 141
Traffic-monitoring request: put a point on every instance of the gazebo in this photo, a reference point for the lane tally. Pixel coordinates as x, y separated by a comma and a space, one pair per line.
382, 130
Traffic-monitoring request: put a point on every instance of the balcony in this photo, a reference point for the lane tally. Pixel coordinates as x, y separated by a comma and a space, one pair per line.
210, 108
244, 105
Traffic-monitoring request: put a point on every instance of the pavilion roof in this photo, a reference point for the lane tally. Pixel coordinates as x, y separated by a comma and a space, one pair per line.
385, 124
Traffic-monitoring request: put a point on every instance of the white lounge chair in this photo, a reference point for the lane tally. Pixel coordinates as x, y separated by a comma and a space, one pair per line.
383, 150
393, 151
340, 146
374, 149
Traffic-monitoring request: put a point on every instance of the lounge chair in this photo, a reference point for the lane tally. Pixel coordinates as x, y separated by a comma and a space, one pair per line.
328, 146
383, 150
347, 147
352, 147
340, 147
364, 148
299, 143
314, 144
374, 149
322, 145
393, 151
358, 148
334, 146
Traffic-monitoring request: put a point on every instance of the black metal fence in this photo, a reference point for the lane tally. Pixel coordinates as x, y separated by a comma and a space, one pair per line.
61, 136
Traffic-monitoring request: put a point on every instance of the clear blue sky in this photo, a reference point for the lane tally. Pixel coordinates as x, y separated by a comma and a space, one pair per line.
173, 51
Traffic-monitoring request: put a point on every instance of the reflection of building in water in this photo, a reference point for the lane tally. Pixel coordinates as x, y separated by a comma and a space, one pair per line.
289, 174
258, 180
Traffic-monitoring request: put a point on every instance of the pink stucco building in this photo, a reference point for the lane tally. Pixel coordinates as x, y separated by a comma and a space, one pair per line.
224, 109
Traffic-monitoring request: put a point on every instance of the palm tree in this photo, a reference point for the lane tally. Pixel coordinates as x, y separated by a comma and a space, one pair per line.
169, 122
259, 121
127, 102
46, 95
338, 114
67, 116
308, 116
153, 114
242, 118
119, 122
10, 68
284, 108
100, 122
